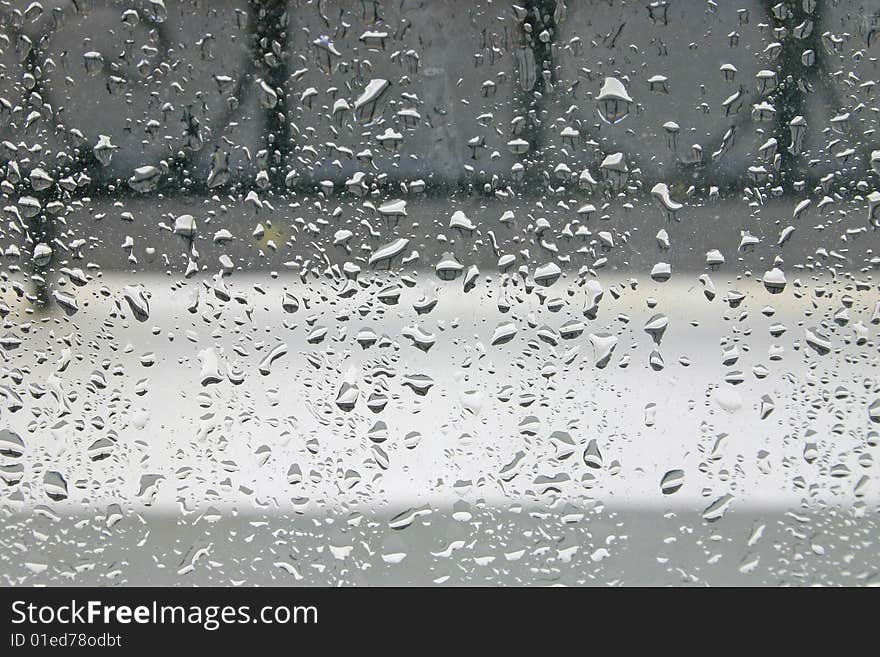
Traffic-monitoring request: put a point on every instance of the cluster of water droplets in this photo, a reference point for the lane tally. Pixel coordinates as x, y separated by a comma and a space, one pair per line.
530, 292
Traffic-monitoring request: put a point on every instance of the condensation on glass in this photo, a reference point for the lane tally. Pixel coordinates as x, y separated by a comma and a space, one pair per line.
413, 292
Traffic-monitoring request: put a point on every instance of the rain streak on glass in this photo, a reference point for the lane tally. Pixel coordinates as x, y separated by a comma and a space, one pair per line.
358, 292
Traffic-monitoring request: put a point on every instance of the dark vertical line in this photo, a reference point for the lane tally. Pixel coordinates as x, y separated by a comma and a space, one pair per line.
788, 99
271, 36
540, 17
40, 228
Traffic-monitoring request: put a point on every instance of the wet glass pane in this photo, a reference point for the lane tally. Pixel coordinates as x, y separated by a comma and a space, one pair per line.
409, 292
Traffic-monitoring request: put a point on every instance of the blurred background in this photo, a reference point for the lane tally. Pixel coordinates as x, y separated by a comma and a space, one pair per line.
362, 292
